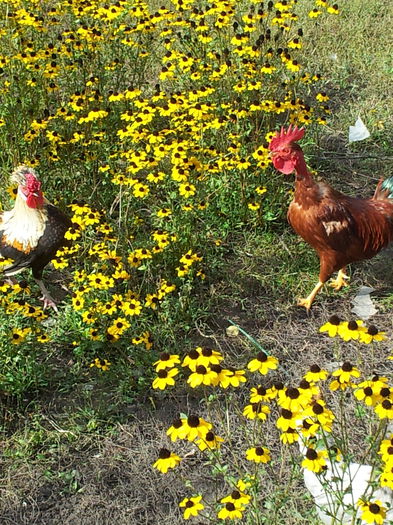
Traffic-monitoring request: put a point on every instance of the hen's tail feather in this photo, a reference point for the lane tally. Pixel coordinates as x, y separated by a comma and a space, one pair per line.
384, 189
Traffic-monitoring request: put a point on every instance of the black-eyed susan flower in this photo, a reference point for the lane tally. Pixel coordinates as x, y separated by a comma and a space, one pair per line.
314, 460
351, 330
293, 399
102, 364
210, 441
208, 356
192, 506
195, 427
343, 377
231, 512
372, 334
18, 335
259, 394
372, 512
287, 419
384, 410
332, 326
178, 430
165, 378
166, 460
386, 450
231, 377
237, 497
166, 361
202, 376
316, 374
263, 363
256, 411
291, 435
368, 392
258, 454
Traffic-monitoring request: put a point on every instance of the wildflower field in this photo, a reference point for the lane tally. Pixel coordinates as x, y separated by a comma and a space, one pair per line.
179, 380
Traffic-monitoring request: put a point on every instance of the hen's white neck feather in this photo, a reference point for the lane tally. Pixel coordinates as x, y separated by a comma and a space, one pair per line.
23, 226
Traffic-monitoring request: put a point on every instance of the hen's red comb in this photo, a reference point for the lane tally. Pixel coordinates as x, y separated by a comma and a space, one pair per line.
286, 136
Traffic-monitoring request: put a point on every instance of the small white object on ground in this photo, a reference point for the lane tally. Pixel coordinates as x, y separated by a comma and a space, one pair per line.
363, 305
358, 131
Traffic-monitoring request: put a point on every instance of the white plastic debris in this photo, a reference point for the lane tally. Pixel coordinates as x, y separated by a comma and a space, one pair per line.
363, 305
358, 131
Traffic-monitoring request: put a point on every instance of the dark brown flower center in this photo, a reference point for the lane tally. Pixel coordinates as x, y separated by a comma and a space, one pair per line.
347, 367
293, 393
261, 356
311, 454
374, 508
200, 369
193, 421
286, 414
334, 320
164, 453
315, 369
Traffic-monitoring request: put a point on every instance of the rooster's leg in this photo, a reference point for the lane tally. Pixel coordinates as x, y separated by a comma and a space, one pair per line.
46, 297
307, 302
338, 283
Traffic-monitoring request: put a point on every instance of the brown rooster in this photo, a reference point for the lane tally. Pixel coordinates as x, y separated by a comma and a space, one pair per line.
341, 229
32, 232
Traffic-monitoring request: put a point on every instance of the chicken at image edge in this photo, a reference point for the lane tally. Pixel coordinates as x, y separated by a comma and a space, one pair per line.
33, 231
341, 229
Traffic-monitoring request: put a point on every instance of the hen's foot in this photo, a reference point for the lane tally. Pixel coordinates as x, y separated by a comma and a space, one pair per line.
340, 281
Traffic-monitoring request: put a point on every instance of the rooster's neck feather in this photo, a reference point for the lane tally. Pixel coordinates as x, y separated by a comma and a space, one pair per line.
22, 227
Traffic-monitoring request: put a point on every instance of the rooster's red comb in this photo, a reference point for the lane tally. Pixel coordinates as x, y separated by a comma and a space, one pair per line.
32, 183
286, 136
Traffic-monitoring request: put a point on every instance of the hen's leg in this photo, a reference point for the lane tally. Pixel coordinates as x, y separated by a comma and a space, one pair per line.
46, 297
307, 302
340, 281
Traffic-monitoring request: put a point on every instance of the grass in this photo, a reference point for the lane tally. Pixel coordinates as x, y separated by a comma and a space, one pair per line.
75, 440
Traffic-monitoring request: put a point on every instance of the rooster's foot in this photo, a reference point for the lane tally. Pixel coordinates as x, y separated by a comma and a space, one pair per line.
49, 302
340, 281
307, 302
46, 297
304, 302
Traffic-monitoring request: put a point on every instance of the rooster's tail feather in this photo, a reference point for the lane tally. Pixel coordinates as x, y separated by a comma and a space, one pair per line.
384, 189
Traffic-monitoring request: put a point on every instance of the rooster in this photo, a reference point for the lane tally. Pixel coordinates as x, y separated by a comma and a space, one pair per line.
341, 229
33, 231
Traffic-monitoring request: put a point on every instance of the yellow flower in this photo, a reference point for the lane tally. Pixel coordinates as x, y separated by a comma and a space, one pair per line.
202, 376
256, 410
372, 334
315, 374
332, 326
166, 361
192, 506
166, 460
373, 512
210, 441
165, 378
314, 460
258, 455
230, 511
187, 190
263, 363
